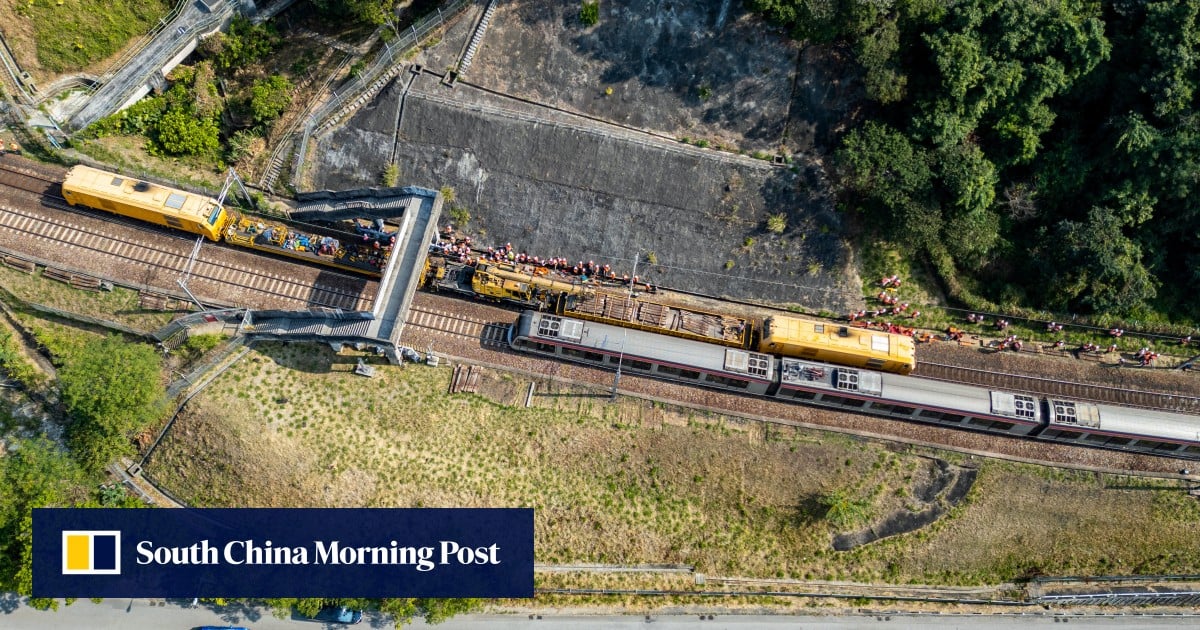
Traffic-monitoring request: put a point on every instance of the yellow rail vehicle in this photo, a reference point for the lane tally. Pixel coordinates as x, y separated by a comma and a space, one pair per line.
145, 201
836, 343
199, 214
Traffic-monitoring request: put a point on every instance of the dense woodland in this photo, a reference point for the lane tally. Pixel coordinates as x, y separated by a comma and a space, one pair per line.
1039, 152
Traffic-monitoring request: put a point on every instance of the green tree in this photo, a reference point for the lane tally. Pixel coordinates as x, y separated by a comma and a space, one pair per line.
111, 390
181, 132
33, 473
1098, 266
269, 98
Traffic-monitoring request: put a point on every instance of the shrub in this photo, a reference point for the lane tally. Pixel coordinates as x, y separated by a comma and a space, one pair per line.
460, 215
589, 13
777, 223
391, 175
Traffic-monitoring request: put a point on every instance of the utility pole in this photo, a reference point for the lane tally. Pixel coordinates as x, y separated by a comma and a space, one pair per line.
625, 329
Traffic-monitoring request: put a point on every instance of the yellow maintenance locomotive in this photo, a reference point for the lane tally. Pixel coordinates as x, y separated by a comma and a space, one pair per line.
202, 215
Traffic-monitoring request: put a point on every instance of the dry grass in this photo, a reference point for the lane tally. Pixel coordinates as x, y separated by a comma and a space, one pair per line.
635, 482
119, 305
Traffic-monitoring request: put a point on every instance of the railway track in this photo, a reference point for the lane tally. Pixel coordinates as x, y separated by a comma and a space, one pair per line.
161, 252
489, 334
1061, 389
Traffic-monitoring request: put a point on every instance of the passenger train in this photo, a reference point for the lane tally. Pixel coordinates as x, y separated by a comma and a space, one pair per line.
850, 389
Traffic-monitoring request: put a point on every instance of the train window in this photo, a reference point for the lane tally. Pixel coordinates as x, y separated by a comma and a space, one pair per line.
875, 363
634, 364
212, 218
175, 201
1192, 449
803, 395
1166, 446
837, 400
1116, 441
727, 382
544, 347
820, 328
944, 417
117, 181
172, 221
1095, 438
582, 354
678, 372
994, 425
1069, 435
898, 409
854, 402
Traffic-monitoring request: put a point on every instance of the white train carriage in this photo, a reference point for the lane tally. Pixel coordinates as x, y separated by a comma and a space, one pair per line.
1124, 428
908, 398
644, 353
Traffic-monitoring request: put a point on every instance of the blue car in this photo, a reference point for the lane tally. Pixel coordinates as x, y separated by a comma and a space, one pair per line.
338, 614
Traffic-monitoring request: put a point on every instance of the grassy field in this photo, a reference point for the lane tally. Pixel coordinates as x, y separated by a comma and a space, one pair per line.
71, 36
119, 305
640, 482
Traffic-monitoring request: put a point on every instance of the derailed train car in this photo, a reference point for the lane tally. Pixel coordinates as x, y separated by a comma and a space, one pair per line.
851, 389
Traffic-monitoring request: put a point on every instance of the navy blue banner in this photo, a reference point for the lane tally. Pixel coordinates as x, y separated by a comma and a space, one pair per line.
283, 552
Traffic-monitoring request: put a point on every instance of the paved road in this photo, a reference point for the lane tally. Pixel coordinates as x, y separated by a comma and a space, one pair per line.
141, 614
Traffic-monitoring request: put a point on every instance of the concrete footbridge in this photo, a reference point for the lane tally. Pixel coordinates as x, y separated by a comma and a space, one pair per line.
416, 212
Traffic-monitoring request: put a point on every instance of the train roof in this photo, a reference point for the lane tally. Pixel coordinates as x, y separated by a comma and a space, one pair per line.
782, 331
131, 191
657, 347
1151, 423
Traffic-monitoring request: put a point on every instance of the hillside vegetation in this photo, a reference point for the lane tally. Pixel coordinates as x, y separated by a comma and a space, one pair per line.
1040, 153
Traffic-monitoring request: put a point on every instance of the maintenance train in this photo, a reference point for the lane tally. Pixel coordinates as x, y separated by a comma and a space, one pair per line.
361, 252
849, 389
366, 251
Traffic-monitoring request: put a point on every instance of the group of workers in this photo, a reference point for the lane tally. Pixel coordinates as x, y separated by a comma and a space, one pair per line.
460, 248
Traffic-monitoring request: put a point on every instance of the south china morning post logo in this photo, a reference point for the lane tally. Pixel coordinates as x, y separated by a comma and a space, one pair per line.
253, 552
91, 552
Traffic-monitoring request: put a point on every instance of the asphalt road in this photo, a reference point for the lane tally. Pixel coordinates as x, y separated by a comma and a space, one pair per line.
141, 614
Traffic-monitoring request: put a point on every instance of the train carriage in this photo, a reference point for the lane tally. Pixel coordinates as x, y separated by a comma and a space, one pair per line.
145, 201
644, 353
907, 397
1124, 428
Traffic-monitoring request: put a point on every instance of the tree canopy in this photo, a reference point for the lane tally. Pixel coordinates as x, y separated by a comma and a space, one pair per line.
1046, 146
106, 405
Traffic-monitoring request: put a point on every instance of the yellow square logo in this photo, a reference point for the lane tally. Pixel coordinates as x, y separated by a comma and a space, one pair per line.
91, 552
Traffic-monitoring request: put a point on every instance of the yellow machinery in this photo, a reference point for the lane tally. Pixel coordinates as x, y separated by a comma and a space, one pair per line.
145, 201
837, 343
522, 283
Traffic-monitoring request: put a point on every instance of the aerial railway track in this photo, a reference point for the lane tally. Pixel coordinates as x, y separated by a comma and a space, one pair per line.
156, 251
1061, 389
489, 334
